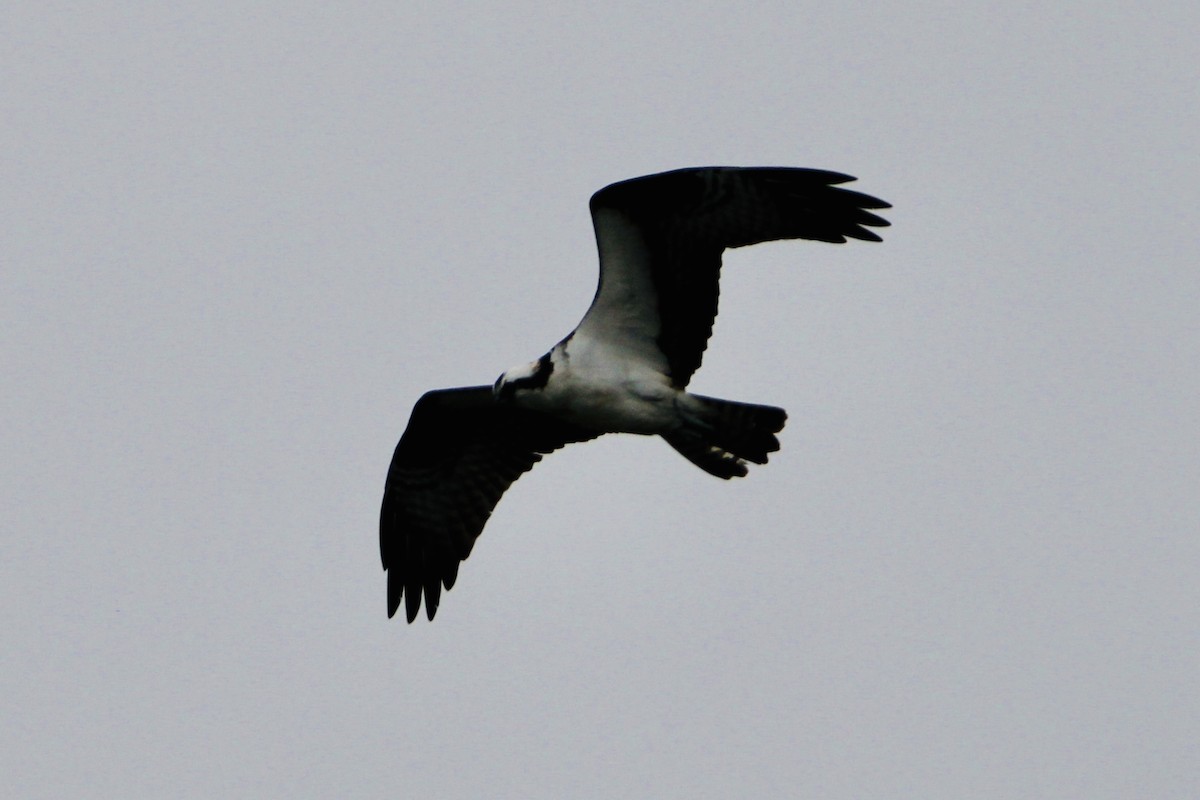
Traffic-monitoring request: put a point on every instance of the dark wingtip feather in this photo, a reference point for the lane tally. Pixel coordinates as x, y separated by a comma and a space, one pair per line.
867, 218
828, 176
394, 591
412, 600
451, 574
863, 200
433, 594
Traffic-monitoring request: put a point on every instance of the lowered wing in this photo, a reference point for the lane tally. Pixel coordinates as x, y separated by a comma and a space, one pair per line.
458, 455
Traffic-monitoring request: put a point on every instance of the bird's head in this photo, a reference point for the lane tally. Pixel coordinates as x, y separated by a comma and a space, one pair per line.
526, 377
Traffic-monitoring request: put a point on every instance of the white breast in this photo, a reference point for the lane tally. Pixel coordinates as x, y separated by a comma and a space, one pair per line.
598, 384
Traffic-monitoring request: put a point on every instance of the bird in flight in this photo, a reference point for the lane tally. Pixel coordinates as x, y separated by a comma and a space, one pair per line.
624, 369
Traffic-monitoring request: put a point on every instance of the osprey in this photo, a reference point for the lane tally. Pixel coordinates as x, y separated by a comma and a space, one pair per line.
624, 369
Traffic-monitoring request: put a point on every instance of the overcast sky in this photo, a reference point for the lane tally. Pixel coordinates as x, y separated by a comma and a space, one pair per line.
239, 242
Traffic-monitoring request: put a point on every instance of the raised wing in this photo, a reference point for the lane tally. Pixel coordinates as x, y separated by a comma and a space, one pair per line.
458, 455
660, 239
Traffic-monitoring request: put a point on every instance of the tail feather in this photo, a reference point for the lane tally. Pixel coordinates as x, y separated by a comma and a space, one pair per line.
720, 436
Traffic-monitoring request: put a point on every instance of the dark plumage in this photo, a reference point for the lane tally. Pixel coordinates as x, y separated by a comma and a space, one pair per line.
623, 369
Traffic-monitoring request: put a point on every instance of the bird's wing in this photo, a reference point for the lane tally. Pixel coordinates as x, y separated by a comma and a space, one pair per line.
458, 455
660, 239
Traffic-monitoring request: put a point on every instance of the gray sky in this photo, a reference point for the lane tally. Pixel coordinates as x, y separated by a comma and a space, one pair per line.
238, 244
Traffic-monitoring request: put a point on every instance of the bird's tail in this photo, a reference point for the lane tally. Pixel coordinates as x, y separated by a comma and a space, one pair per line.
720, 436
